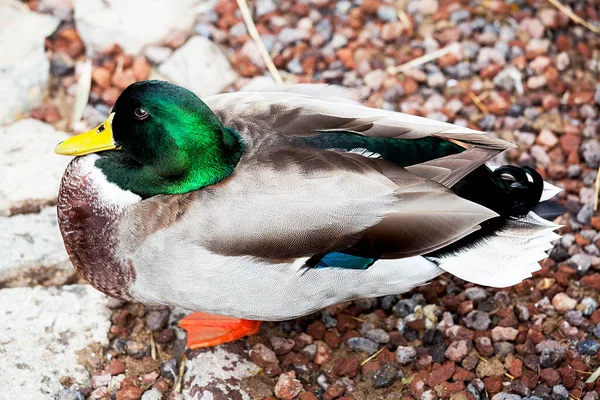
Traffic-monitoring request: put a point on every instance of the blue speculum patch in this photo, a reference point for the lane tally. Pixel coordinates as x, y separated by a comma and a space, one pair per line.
346, 261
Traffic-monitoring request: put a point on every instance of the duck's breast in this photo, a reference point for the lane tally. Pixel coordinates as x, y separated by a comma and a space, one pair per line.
89, 211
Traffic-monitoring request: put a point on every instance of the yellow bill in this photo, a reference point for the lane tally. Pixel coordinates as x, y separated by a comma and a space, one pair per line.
98, 139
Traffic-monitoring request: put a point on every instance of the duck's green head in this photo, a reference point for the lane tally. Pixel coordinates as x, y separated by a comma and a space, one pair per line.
159, 139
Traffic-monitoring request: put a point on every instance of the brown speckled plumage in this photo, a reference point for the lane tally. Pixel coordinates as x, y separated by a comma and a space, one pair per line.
88, 228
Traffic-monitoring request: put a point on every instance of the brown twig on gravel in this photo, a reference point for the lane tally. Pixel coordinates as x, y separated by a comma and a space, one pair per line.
424, 59
82, 93
576, 18
597, 189
179, 383
152, 346
582, 372
372, 356
509, 376
404, 19
256, 37
120, 63
478, 103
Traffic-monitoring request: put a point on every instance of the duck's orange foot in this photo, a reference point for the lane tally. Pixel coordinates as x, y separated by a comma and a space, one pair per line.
207, 330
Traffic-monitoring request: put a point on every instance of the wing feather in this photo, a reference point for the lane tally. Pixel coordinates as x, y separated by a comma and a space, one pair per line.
450, 169
291, 114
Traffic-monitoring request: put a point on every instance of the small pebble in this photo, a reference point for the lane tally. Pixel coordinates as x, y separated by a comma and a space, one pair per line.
168, 369
114, 303
501, 334
502, 349
596, 331
581, 261
115, 383
522, 312
387, 13
378, 336
310, 351
429, 395
551, 353
560, 392
575, 317
404, 307
405, 355
130, 393
262, 355
323, 355
114, 367
287, 386
386, 376
506, 396
562, 302
328, 320
99, 379
100, 393
152, 394
588, 347
362, 344
136, 349
478, 320
587, 306
281, 346
156, 320
69, 394
476, 294
166, 336
387, 302
458, 350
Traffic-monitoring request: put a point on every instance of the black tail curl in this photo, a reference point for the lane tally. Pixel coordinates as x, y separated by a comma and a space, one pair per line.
523, 194
510, 191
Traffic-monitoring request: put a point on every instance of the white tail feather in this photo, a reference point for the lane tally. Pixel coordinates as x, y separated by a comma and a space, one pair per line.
506, 258
549, 191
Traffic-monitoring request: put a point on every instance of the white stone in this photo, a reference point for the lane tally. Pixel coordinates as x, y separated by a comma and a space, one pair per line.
157, 54
61, 9
132, 24
32, 250
30, 171
200, 66
43, 329
24, 67
152, 394
428, 7
217, 373
115, 383
374, 79
264, 7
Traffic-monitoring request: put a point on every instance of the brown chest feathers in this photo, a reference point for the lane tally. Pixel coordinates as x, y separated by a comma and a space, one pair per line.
88, 225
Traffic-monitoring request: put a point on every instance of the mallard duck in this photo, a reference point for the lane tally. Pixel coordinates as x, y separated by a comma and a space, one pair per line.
273, 205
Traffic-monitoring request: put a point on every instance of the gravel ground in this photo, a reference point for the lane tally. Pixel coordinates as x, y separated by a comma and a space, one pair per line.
525, 71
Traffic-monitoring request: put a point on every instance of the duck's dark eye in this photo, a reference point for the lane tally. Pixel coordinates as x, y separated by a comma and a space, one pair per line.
140, 113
